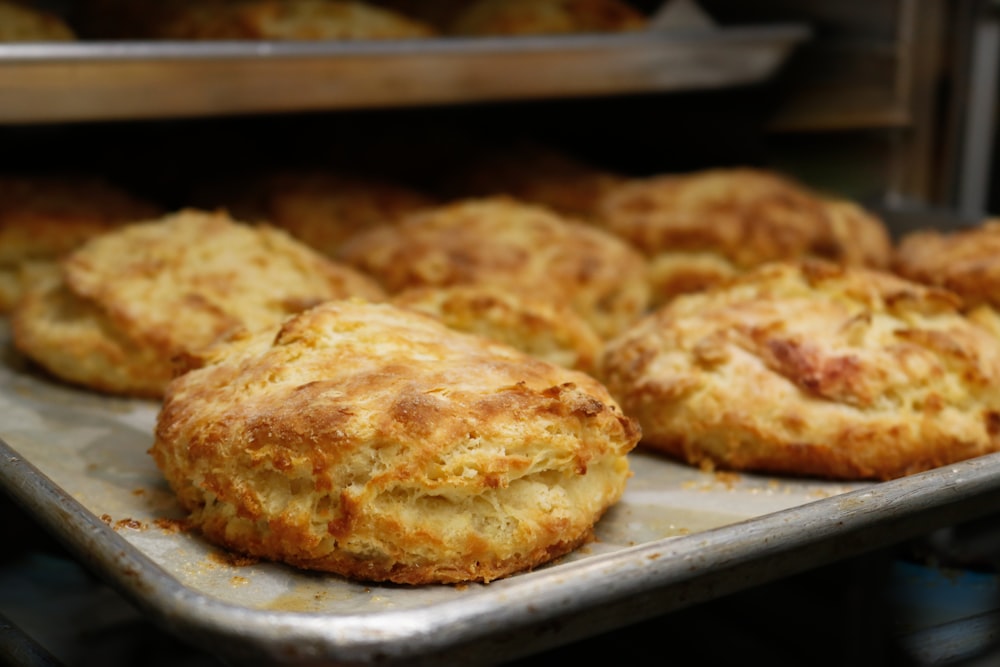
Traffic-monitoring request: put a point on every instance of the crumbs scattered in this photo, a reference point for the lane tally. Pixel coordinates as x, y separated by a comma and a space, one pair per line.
239, 581
729, 479
172, 525
133, 524
232, 559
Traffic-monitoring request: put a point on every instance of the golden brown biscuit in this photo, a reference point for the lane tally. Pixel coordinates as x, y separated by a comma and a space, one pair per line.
374, 442
44, 217
22, 22
546, 17
286, 20
540, 327
701, 228
812, 368
514, 246
568, 185
322, 208
125, 305
966, 261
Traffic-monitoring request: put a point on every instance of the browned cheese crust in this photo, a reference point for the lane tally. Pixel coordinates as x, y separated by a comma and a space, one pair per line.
540, 327
541, 17
20, 22
285, 20
124, 305
966, 261
44, 217
812, 369
702, 228
514, 246
374, 442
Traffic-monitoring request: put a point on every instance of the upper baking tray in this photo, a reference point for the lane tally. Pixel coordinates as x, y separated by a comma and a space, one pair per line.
64, 82
78, 462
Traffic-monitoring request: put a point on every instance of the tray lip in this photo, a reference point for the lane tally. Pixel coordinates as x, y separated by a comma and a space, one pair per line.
505, 605
112, 51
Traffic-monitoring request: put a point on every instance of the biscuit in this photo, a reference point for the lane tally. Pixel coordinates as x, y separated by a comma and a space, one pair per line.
700, 228
811, 368
127, 304
546, 17
373, 442
965, 261
21, 22
543, 328
321, 208
514, 246
285, 20
44, 217
536, 174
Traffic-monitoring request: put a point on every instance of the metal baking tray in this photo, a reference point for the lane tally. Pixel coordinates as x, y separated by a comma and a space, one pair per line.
78, 463
109, 80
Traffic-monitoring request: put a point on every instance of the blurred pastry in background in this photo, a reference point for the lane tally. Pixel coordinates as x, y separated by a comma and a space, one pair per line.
965, 261
246, 20
542, 328
536, 174
811, 368
512, 245
119, 312
320, 207
546, 17
287, 20
24, 22
701, 228
43, 217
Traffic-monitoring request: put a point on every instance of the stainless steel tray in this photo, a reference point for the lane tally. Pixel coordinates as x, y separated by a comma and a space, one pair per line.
78, 463
133, 80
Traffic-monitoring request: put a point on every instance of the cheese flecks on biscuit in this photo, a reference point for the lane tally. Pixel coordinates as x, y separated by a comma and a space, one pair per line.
812, 368
119, 311
374, 442
540, 327
701, 228
511, 245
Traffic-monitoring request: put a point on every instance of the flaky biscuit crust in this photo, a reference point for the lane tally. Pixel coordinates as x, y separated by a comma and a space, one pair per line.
966, 261
540, 327
376, 443
742, 218
512, 245
812, 369
168, 287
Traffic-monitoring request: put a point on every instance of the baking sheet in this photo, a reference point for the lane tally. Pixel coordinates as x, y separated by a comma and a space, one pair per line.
78, 462
64, 82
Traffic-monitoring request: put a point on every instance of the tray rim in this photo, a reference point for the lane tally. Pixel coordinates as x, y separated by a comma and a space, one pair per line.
633, 583
107, 51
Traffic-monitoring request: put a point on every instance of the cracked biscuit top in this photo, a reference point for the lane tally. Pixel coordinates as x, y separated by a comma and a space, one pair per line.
374, 442
811, 368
